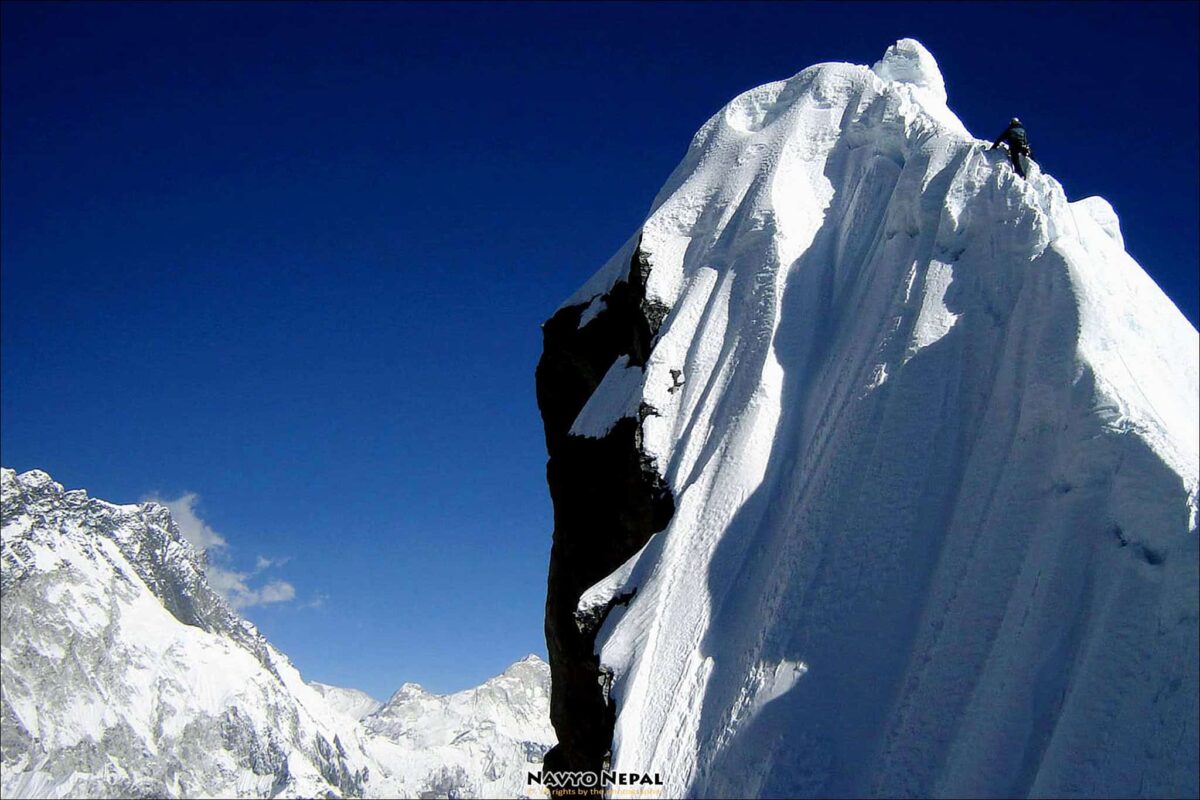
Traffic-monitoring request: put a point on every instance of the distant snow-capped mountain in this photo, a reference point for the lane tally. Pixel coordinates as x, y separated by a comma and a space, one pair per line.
125, 675
485, 738
354, 703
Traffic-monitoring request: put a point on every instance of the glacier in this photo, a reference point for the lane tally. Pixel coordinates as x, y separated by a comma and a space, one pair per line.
874, 470
123, 674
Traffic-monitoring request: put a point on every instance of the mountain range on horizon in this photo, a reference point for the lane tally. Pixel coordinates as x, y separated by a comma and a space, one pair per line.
125, 675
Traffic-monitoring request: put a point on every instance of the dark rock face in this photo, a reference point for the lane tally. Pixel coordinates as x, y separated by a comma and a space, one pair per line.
608, 501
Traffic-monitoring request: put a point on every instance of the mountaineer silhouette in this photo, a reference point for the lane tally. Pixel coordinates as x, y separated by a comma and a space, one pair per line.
1018, 144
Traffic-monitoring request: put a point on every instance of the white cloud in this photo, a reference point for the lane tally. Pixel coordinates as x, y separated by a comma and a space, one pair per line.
262, 562
194, 529
276, 592
231, 584
318, 601
234, 588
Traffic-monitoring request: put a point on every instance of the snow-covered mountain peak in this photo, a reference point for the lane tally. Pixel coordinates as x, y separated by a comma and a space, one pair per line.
840, 156
502, 723
774, 156
38, 510
907, 61
530, 665
407, 691
125, 675
906, 425
510, 695
34, 482
354, 703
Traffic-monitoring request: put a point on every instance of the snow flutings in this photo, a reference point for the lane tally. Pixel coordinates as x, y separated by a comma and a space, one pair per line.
903, 399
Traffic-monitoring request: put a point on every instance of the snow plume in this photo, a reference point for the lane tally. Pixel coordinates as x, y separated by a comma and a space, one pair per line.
233, 585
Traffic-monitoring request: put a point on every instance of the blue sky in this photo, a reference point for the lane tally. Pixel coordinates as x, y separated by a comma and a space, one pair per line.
286, 264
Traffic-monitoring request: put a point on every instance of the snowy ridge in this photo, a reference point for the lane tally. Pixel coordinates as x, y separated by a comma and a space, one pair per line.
932, 438
107, 692
354, 703
125, 675
484, 739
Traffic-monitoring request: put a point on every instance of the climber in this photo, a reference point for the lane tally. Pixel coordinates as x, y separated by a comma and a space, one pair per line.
1018, 144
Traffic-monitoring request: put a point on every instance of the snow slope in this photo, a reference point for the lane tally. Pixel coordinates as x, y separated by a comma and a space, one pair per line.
481, 741
932, 439
354, 703
124, 675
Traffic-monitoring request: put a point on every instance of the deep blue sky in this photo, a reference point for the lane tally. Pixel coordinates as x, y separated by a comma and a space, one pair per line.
294, 258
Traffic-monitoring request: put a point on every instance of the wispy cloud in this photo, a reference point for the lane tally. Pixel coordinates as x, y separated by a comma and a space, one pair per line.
237, 587
234, 587
317, 601
262, 562
194, 529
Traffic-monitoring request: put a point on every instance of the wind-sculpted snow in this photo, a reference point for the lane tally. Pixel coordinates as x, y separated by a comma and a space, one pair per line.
125, 675
932, 439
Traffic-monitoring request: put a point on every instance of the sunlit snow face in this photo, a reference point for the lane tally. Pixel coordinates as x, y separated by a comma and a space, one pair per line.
883, 351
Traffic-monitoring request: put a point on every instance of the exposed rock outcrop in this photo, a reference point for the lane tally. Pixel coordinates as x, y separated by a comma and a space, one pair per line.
608, 500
